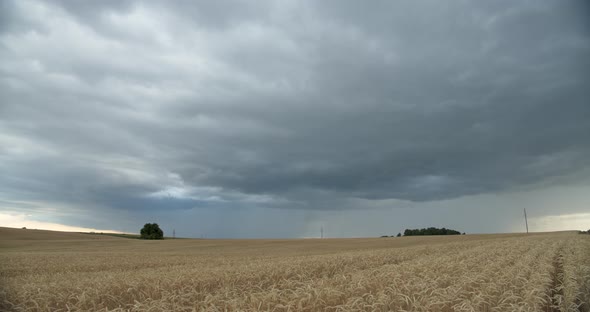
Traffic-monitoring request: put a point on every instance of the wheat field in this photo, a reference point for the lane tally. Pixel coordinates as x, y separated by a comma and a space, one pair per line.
52, 271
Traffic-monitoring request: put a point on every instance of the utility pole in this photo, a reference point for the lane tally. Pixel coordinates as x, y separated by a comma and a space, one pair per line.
174, 233
526, 222
322, 231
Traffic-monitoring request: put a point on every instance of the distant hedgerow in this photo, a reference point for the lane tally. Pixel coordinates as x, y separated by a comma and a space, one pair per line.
430, 231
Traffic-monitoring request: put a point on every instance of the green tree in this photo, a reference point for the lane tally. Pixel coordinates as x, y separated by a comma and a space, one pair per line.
151, 231
399, 234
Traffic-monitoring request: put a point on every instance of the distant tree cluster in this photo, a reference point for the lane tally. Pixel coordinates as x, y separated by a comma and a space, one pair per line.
430, 231
398, 235
151, 231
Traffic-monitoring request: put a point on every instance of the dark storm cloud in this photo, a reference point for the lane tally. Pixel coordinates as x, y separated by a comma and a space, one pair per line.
170, 106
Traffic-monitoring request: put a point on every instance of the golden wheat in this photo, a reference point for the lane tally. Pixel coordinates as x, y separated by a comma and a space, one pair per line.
541, 272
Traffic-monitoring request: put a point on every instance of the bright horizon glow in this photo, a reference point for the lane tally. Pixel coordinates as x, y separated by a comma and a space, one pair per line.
21, 220
577, 221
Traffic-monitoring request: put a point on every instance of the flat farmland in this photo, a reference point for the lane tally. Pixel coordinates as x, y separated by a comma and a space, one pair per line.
55, 271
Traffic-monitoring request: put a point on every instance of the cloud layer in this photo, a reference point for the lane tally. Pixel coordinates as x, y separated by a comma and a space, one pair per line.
125, 107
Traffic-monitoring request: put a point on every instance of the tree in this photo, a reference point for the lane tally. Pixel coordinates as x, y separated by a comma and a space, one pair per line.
399, 234
151, 231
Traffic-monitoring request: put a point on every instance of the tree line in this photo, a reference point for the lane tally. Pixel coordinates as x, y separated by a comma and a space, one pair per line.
431, 231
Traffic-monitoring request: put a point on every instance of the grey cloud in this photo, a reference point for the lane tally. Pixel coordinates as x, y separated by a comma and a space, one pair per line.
298, 105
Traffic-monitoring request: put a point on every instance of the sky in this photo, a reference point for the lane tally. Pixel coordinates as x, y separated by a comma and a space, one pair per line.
258, 119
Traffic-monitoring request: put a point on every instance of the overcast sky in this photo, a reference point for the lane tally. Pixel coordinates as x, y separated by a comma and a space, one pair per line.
273, 118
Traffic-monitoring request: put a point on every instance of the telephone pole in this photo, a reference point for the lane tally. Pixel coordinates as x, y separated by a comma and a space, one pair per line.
174, 233
322, 231
526, 222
